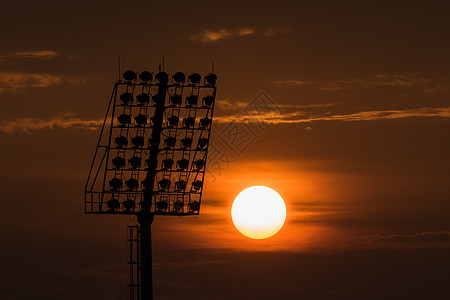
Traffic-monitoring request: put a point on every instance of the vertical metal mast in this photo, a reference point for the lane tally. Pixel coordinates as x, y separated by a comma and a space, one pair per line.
146, 272
145, 217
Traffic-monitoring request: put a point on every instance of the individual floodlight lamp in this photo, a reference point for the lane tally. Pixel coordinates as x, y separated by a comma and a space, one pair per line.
129, 204
183, 164
196, 185
203, 142
176, 99
124, 119
204, 122
126, 98
121, 141
199, 164
178, 205
170, 142
137, 141
164, 184
135, 162
180, 185
162, 77
208, 100
113, 204
192, 99
186, 142
173, 121
140, 119
179, 77
145, 76
189, 121
168, 163
115, 184
211, 78
129, 75
195, 78
143, 98
132, 183
118, 162
194, 206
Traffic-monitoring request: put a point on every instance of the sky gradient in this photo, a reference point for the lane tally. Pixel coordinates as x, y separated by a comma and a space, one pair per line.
342, 108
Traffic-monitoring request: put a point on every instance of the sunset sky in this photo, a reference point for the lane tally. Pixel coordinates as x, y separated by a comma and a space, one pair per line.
342, 107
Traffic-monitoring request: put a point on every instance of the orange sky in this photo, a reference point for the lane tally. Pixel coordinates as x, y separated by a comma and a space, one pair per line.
354, 138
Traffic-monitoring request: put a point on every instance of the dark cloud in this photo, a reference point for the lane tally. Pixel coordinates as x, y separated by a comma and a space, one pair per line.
41, 54
422, 239
19, 82
404, 81
298, 117
62, 121
208, 36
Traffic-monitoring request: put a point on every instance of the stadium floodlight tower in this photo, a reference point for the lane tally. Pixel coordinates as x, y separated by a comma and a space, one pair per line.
151, 157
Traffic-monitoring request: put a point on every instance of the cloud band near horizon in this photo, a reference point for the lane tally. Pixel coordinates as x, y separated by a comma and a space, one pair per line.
68, 120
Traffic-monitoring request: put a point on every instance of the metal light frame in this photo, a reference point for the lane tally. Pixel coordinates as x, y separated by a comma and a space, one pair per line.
172, 201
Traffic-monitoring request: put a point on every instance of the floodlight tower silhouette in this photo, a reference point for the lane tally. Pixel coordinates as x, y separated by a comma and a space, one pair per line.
151, 157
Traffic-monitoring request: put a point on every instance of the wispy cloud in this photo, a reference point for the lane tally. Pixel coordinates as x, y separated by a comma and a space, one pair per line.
408, 80
68, 120
317, 105
211, 36
12, 80
246, 31
298, 117
189, 264
227, 105
380, 80
294, 82
221, 34
40, 54
278, 30
230, 105
417, 240
16, 81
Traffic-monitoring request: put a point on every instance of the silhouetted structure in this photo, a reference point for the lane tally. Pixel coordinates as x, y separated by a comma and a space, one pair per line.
146, 163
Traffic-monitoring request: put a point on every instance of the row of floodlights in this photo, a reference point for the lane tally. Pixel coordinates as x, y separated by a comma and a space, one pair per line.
177, 99
130, 204
164, 185
163, 77
169, 142
142, 120
177, 206
167, 164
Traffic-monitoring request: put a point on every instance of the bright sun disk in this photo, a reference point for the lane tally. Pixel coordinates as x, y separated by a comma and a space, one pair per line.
258, 212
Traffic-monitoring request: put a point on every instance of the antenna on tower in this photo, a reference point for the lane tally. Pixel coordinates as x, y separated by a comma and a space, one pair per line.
163, 63
212, 66
118, 61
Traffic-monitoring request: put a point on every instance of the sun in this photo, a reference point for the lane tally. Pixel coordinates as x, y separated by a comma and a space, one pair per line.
258, 212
